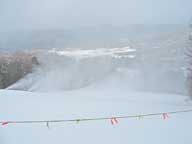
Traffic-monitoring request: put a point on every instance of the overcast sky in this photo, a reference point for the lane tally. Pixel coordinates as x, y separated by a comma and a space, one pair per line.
30, 14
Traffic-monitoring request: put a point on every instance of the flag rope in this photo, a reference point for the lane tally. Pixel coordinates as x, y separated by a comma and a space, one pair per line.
113, 118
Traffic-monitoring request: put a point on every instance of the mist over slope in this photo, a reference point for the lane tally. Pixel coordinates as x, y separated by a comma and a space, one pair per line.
125, 67
146, 58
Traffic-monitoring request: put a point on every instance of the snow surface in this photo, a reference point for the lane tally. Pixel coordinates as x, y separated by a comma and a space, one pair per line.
94, 102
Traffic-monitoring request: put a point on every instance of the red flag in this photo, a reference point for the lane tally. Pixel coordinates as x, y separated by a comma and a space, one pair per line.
4, 123
114, 120
165, 116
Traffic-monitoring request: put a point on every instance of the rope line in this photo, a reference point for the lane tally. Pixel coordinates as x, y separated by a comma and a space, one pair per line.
96, 119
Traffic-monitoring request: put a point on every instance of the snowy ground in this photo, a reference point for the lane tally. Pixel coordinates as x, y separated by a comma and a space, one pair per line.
94, 102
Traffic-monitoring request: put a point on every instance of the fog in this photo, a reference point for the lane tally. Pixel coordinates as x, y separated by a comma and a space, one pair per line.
156, 29
69, 14
157, 67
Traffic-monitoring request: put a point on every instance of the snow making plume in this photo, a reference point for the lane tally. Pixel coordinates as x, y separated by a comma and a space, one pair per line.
74, 68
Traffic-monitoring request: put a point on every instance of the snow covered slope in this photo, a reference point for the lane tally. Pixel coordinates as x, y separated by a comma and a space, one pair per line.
91, 102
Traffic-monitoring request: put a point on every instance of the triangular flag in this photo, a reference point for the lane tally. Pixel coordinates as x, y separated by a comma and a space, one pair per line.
4, 123
47, 124
77, 121
113, 120
165, 116
140, 117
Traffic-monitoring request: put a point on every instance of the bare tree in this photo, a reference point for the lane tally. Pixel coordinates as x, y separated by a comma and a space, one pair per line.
15, 66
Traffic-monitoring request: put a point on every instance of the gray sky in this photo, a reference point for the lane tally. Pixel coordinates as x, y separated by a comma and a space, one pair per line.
27, 14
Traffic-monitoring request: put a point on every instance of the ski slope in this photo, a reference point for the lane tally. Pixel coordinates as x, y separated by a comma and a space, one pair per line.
91, 103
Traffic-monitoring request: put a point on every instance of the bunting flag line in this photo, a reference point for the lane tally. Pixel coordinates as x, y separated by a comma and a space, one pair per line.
113, 120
